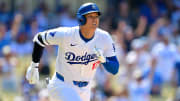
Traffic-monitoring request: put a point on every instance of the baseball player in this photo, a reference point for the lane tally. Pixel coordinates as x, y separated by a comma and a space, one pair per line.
81, 49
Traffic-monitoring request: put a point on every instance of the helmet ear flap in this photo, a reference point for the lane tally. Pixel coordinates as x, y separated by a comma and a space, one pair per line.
81, 19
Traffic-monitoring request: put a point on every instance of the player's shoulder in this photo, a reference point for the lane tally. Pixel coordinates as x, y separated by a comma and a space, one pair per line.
102, 33
64, 30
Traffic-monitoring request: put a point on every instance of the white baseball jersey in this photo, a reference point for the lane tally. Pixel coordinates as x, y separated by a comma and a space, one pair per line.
76, 59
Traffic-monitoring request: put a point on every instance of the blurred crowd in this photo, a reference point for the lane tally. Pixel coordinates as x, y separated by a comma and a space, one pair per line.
147, 40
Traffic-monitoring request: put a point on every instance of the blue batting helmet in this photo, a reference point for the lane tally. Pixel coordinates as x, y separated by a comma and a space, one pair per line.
86, 9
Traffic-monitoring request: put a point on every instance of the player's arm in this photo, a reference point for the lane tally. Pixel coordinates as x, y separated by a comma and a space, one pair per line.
32, 74
107, 57
38, 50
42, 39
111, 64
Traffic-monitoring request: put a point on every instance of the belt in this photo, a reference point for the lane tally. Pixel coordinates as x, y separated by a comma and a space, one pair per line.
80, 83
76, 83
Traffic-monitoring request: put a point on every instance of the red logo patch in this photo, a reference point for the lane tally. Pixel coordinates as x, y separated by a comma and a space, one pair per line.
95, 65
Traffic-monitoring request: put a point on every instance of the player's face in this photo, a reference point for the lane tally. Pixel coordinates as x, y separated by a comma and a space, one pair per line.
92, 20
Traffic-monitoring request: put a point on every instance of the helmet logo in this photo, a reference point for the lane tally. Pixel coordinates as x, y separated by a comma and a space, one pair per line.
93, 7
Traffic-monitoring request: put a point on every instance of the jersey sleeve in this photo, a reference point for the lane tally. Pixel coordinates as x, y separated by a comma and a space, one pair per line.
109, 49
53, 36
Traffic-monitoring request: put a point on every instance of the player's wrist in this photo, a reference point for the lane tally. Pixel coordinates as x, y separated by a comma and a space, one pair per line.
34, 65
102, 59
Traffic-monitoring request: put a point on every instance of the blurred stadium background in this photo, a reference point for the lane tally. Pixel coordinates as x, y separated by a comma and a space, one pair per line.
146, 34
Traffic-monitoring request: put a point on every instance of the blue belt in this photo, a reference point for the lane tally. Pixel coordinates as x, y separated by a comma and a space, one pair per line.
77, 83
80, 83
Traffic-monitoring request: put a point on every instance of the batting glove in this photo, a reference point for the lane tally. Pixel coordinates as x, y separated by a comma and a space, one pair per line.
32, 74
100, 56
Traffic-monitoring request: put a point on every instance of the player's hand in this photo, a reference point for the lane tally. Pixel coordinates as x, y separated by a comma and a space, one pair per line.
32, 74
99, 54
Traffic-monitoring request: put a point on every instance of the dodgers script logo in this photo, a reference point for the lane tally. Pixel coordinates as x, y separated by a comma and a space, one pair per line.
85, 59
